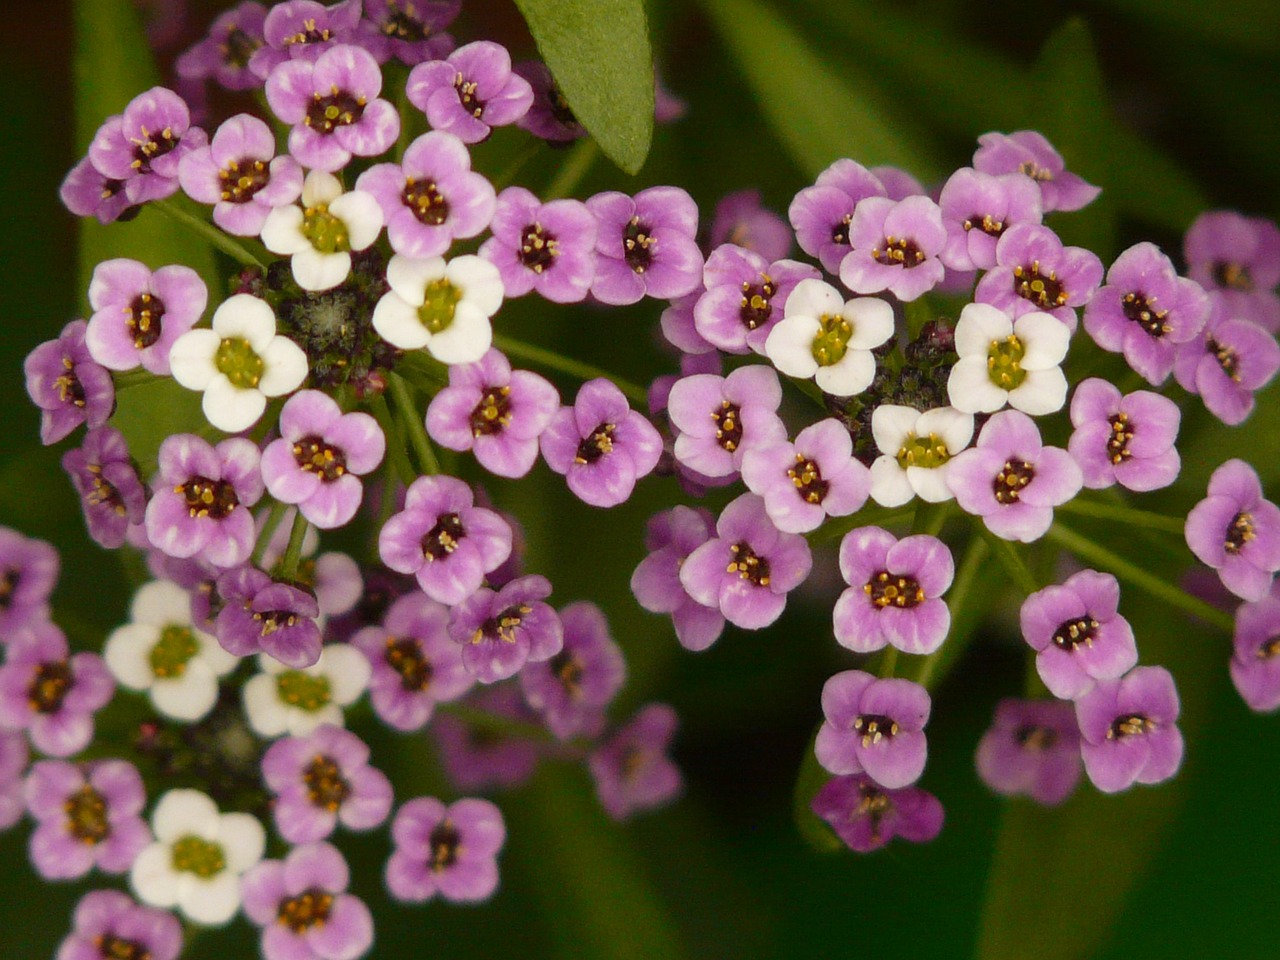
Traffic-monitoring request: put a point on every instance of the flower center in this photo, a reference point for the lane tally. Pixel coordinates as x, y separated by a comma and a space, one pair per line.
986, 223
237, 47
49, 686
86, 811
402, 24
8, 583
442, 539
241, 179
840, 230
142, 319
204, 858
307, 910
1239, 532
886, 589
898, 252
404, 656
748, 565
728, 425
316, 456
310, 33
208, 498
503, 626
1035, 739
1142, 310
70, 389
1004, 362
492, 414
1044, 290
237, 361
103, 494
269, 621
326, 786
1226, 357
1130, 725
467, 96
114, 948
872, 803
1118, 442
1072, 633
755, 307
807, 477
173, 651
324, 231
927, 452
148, 147
443, 846
538, 249
597, 445
1233, 276
567, 669
440, 301
831, 342
1269, 649
1035, 171
1010, 481
637, 244
425, 202
874, 727
309, 692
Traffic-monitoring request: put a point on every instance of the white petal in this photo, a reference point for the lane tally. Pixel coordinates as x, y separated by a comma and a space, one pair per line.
242, 839
320, 187
211, 652
211, 902
191, 358
161, 603
872, 322
348, 672
409, 276
303, 722
245, 317
952, 427
266, 713
282, 231
889, 484
397, 323
183, 812
316, 271
930, 483
128, 654
1045, 339
1042, 392
362, 216
189, 697
852, 375
812, 298
480, 281
465, 340
153, 878
790, 343
979, 324
969, 387
232, 409
284, 367
891, 425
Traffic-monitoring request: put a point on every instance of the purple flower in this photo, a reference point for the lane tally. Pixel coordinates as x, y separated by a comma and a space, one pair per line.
408, 30
1145, 311
895, 590
740, 219
28, 573
50, 693
875, 727
85, 818
450, 850
321, 780
471, 92
1236, 532
1011, 480
66, 384
719, 419
108, 925
303, 30
1129, 730
1255, 667
1029, 153
600, 445
895, 247
334, 107
494, 411
572, 689
670, 537
1035, 272
550, 117
224, 53
415, 663
480, 757
143, 146
1238, 258
319, 458
87, 193
431, 197
14, 758
137, 314
1124, 439
1031, 749
745, 297
1078, 634
645, 245
202, 497
977, 208
866, 816
444, 540
258, 614
749, 567
805, 482
898, 183
1230, 360
631, 769
821, 214
547, 247
241, 176
500, 631
303, 906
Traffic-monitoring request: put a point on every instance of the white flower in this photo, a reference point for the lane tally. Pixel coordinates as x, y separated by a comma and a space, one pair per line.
281, 700
197, 859
161, 652
917, 448
824, 337
239, 363
442, 305
320, 234
1013, 361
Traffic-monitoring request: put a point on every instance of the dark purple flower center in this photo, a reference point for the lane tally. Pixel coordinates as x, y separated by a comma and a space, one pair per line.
1130, 725
307, 910
237, 47
503, 625
1227, 358
1233, 276
143, 319
808, 479
748, 565
637, 245
102, 494
240, 179
311, 32
728, 425
316, 456
401, 24
8, 584
111, 947
326, 786
538, 249
492, 414
840, 230
986, 223
874, 727
269, 621
332, 110
443, 846
442, 539
215, 499
1118, 442
567, 669
1072, 633
425, 201
1035, 738
1045, 290
898, 252
560, 108
1269, 648
404, 656
70, 389
874, 804
150, 146
1010, 481
890, 590
49, 686
597, 445
86, 811
1142, 311
755, 308
467, 96
1239, 532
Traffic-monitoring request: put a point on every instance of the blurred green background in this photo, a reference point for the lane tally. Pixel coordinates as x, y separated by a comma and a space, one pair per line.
1170, 106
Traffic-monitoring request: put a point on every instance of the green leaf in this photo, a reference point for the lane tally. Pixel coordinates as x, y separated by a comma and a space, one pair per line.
598, 51
1252, 25
813, 829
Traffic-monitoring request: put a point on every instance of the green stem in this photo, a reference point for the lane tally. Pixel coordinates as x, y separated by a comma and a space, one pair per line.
888, 662
395, 446
574, 368
930, 518
210, 233
834, 529
929, 670
576, 166
1129, 515
274, 516
508, 173
1009, 558
293, 552
402, 397
1130, 572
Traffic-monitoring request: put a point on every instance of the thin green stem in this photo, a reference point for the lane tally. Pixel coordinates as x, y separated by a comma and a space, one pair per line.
888, 662
574, 368
395, 445
1128, 515
413, 423
930, 518
834, 529
210, 233
1008, 557
274, 516
930, 669
509, 172
1086, 549
578, 163
293, 552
